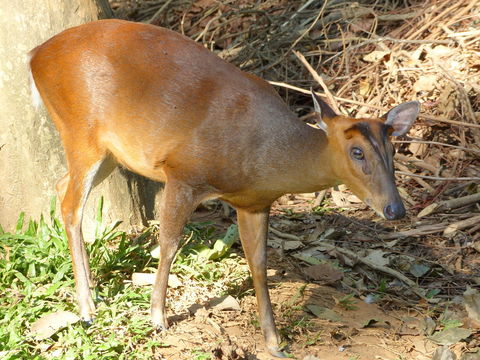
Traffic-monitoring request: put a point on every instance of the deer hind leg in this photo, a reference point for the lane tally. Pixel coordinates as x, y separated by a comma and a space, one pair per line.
73, 190
104, 169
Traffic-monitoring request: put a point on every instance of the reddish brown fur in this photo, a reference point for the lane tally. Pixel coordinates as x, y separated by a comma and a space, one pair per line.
181, 114
166, 108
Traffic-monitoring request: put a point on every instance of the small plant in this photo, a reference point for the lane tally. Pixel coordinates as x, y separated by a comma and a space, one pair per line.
322, 209
291, 213
347, 302
297, 326
205, 257
449, 320
313, 338
200, 355
431, 293
382, 287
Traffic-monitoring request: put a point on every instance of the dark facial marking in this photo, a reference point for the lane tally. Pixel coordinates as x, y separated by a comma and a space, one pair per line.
379, 144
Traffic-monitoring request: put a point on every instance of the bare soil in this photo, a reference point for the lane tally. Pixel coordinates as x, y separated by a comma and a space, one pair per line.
406, 278
394, 326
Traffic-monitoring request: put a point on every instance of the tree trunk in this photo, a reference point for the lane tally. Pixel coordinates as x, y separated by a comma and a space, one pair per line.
31, 155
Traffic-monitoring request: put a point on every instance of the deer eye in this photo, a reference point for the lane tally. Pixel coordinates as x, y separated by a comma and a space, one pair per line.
357, 153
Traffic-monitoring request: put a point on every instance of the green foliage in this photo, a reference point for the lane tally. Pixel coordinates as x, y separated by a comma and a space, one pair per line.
200, 254
32, 272
36, 273
383, 286
347, 302
296, 326
322, 209
449, 320
219, 248
200, 355
431, 293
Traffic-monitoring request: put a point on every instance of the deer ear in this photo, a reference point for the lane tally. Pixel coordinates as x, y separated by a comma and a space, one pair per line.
322, 111
402, 116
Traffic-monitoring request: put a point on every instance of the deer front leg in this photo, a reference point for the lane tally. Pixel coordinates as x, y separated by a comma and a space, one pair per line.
177, 203
253, 228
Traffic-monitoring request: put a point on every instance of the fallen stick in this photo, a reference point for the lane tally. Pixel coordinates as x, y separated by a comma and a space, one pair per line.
318, 78
438, 178
422, 230
349, 101
285, 235
459, 202
460, 225
449, 204
320, 197
436, 143
417, 162
418, 180
417, 290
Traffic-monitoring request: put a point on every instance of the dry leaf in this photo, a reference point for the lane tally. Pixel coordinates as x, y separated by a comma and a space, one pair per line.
450, 336
456, 154
471, 299
143, 279
155, 252
353, 199
339, 198
434, 159
377, 257
440, 51
418, 149
428, 326
446, 100
425, 83
444, 353
286, 245
323, 313
49, 324
417, 53
365, 87
333, 234
418, 270
324, 273
428, 210
227, 302
174, 281
375, 56
362, 24
474, 355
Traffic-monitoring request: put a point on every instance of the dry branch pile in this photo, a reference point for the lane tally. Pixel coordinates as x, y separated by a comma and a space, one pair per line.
367, 56
370, 55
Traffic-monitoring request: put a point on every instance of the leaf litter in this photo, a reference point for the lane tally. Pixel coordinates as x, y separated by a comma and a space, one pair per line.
403, 275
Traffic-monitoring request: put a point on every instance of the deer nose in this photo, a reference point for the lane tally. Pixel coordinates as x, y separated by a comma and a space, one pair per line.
394, 211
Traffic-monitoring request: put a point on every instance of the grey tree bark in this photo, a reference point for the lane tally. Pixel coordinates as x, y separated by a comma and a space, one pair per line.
31, 155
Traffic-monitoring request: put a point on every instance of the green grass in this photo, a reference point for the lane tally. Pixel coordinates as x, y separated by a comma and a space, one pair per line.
36, 279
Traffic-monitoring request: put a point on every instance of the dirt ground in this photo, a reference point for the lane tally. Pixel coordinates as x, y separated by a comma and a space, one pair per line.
396, 333
344, 284
393, 326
